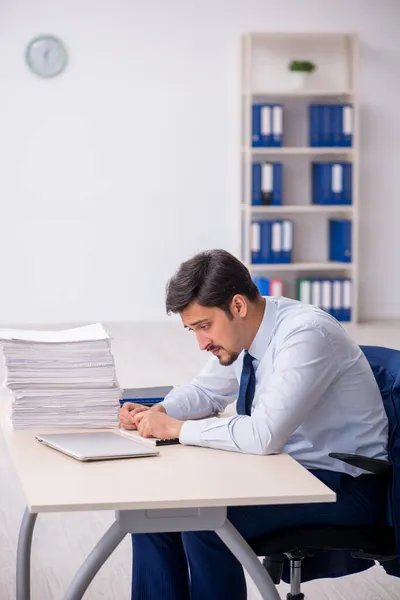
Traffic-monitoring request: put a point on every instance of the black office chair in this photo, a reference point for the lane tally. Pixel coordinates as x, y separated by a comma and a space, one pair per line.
372, 543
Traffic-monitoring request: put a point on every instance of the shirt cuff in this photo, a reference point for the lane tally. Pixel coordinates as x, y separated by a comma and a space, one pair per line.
191, 433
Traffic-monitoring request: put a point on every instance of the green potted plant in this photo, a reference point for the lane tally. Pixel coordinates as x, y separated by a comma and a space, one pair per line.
300, 71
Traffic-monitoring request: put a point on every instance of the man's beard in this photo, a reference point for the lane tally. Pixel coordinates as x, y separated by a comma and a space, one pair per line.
229, 360
232, 356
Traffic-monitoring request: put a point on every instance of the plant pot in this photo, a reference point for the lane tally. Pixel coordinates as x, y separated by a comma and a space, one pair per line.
299, 79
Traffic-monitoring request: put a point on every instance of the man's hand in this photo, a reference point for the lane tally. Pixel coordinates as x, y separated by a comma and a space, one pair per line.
128, 411
155, 424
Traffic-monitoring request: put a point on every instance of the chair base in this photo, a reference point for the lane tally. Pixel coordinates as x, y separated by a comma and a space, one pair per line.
295, 596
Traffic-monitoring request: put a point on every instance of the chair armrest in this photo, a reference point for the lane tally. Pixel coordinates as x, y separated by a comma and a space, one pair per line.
373, 465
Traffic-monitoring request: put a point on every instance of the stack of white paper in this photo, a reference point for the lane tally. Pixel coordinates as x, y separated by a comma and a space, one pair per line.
61, 379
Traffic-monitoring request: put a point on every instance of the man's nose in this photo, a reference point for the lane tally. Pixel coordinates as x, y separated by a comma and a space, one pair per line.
203, 340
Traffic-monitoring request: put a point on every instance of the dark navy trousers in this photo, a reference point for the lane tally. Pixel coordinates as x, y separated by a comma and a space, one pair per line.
161, 562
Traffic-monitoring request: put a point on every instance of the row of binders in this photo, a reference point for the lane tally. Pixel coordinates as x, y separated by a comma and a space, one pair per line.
271, 241
331, 183
267, 125
340, 240
269, 287
332, 295
330, 125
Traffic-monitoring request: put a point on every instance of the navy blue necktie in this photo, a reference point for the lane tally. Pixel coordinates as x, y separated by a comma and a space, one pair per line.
247, 386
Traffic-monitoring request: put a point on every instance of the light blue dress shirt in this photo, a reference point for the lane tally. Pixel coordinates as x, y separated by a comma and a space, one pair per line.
315, 394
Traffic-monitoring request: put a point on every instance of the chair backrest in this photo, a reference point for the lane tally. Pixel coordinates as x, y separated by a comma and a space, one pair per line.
385, 364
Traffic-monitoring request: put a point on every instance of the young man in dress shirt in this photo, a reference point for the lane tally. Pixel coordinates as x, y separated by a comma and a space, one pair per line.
302, 387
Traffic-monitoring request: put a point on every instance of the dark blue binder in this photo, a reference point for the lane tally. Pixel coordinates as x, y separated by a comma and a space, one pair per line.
272, 195
336, 110
256, 199
277, 194
266, 254
340, 240
321, 183
263, 285
326, 133
347, 183
315, 183
276, 125
314, 117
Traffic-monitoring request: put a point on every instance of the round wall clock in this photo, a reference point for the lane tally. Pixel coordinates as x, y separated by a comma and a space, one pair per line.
46, 56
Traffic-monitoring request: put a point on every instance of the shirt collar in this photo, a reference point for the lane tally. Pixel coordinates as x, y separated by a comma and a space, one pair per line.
263, 336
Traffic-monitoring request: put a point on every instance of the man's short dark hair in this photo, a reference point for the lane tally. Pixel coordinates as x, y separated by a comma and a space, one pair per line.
212, 279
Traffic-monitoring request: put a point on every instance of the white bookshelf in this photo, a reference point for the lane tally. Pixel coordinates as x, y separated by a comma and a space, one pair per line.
265, 77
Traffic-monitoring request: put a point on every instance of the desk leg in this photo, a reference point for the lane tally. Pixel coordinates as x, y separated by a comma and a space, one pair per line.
96, 559
245, 555
158, 521
23, 578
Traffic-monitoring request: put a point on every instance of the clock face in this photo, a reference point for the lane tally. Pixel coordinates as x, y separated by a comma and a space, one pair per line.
46, 56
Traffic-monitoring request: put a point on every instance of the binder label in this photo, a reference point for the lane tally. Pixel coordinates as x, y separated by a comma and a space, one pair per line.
337, 179
305, 292
316, 293
336, 296
287, 235
266, 120
277, 118
347, 120
276, 287
326, 295
276, 237
346, 294
255, 237
267, 177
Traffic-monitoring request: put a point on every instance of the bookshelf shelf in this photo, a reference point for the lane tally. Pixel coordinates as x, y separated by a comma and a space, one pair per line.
302, 266
306, 93
299, 210
308, 151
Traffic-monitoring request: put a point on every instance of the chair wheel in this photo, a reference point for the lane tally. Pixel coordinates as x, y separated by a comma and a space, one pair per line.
295, 596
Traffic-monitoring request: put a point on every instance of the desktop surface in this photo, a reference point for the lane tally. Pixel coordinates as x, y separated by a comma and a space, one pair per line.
181, 477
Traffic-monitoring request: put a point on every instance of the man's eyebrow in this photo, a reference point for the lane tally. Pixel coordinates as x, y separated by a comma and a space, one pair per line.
195, 323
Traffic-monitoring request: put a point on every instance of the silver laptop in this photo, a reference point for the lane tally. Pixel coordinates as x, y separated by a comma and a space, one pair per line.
96, 445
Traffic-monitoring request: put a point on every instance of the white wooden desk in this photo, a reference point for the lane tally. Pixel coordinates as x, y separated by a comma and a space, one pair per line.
183, 489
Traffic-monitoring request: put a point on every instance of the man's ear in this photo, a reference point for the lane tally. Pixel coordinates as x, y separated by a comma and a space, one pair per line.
239, 306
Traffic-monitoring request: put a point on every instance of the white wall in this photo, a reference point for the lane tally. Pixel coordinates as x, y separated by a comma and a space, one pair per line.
127, 164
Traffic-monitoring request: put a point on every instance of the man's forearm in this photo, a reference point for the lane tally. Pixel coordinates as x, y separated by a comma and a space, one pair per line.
189, 402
